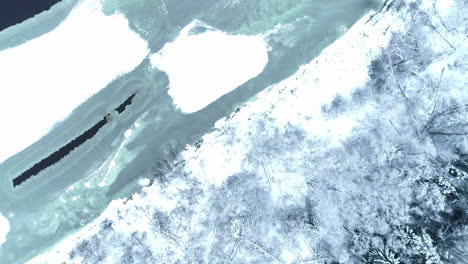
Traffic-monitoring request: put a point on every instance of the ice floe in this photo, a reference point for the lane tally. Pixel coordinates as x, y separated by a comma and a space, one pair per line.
203, 67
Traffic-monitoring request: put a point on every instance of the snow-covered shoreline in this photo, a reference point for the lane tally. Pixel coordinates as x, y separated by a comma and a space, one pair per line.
339, 162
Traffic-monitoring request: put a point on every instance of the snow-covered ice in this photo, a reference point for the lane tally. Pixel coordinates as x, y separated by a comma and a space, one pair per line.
44, 79
203, 67
4, 228
144, 182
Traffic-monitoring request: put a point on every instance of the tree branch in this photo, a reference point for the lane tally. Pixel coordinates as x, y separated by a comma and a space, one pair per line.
448, 133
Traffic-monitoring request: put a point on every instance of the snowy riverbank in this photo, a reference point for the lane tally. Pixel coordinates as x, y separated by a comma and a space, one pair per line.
361, 155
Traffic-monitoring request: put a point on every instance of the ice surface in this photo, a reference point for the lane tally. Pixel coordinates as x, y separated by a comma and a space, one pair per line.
4, 228
44, 79
203, 67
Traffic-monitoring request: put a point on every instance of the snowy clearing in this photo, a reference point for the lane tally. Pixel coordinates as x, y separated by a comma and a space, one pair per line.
54, 73
203, 67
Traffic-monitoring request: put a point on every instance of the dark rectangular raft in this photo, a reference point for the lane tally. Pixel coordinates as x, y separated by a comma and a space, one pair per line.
65, 150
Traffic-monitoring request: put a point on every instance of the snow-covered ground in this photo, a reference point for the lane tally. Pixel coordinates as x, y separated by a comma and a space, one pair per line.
360, 156
52, 74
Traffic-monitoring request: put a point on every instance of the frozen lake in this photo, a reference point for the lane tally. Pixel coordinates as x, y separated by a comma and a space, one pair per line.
186, 63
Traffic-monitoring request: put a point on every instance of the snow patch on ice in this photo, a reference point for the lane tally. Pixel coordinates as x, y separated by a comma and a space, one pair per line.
54, 73
203, 67
4, 228
144, 182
